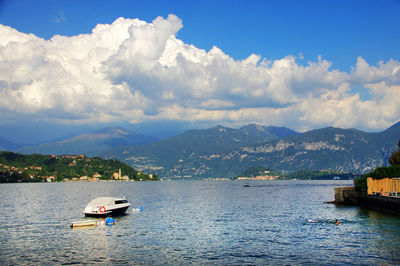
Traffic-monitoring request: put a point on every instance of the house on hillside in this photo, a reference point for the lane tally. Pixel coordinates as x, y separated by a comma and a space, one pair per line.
125, 178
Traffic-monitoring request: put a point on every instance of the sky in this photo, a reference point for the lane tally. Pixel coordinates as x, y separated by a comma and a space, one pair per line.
162, 67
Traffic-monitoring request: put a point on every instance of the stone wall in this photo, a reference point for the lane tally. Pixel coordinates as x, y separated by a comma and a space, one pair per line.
349, 196
391, 204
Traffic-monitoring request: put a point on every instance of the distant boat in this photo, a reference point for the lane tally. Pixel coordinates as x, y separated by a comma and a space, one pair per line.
106, 206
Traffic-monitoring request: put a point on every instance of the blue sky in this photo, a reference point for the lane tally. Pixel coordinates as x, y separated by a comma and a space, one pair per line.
338, 57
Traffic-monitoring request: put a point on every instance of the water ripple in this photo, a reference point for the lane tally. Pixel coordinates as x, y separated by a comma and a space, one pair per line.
192, 223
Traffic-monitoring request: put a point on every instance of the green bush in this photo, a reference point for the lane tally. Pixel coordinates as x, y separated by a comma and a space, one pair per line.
360, 184
395, 158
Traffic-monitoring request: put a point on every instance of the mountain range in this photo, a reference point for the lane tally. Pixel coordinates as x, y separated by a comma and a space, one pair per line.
91, 144
226, 152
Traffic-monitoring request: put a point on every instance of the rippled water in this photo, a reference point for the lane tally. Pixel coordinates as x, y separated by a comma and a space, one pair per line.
194, 222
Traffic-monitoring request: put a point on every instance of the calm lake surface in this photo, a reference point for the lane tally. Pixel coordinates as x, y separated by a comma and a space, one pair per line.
194, 222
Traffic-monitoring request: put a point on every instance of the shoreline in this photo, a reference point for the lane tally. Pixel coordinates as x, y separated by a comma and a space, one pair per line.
349, 196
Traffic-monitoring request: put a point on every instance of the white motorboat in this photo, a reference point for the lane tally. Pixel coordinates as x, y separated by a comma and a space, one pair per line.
106, 206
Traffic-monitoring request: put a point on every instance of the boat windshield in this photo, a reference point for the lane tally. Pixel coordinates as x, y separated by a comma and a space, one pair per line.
121, 201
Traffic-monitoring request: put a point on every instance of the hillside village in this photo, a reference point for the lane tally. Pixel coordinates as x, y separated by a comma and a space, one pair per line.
261, 175
51, 168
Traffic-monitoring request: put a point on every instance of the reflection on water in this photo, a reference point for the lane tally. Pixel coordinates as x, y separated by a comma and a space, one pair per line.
198, 222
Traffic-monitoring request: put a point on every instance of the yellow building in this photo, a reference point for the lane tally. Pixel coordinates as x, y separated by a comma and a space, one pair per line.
115, 175
384, 186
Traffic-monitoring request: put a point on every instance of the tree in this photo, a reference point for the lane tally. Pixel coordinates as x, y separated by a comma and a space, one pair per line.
395, 158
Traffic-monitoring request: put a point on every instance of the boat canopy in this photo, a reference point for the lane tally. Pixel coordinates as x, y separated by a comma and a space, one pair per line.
103, 201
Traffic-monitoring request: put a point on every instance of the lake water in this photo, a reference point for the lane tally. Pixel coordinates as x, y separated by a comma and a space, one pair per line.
194, 222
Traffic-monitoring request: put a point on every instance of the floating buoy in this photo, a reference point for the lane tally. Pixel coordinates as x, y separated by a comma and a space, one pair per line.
138, 209
110, 221
102, 209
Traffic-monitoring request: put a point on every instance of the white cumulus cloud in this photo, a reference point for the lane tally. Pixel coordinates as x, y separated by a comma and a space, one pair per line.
137, 71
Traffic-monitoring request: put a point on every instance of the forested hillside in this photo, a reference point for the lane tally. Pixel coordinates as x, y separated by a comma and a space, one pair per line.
15, 167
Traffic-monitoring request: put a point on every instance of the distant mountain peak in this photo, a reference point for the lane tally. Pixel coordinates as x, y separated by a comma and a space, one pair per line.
396, 126
393, 131
7, 145
281, 132
275, 132
106, 130
220, 127
92, 144
254, 126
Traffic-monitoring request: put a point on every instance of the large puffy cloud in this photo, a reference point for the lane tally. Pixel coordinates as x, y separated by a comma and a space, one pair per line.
60, 79
136, 71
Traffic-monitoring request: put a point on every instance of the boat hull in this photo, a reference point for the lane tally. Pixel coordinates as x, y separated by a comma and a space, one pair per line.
111, 212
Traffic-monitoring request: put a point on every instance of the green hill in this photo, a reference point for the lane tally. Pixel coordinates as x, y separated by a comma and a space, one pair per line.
36, 167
